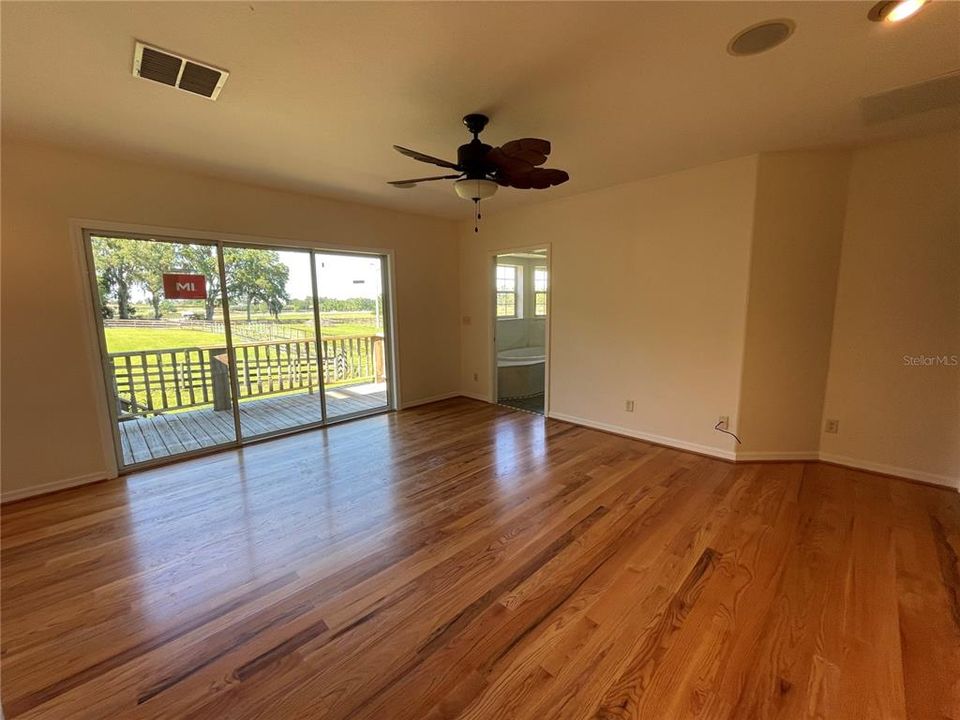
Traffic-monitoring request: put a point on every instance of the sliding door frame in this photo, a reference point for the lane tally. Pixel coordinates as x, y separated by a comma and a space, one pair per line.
309, 252
389, 355
108, 385
82, 230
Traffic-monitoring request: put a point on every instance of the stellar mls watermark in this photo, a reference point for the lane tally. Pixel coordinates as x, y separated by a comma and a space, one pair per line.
931, 360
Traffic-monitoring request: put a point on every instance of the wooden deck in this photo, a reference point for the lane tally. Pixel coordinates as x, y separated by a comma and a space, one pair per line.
161, 436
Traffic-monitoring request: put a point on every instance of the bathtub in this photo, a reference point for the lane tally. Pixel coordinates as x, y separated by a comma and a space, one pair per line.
517, 357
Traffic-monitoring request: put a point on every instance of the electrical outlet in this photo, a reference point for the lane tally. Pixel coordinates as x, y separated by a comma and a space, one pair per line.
629, 406
832, 426
476, 377
723, 422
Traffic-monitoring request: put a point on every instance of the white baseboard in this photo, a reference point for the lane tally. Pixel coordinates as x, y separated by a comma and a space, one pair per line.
778, 455
474, 396
909, 473
433, 398
767, 456
649, 437
23, 493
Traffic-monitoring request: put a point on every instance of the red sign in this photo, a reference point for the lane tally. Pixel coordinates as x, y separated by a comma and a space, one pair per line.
181, 286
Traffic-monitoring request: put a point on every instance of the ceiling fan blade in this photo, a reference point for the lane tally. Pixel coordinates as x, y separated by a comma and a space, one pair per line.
506, 165
535, 179
530, 150
425, 158
414, 181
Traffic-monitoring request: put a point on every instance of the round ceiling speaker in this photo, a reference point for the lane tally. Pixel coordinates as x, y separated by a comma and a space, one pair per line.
761, 37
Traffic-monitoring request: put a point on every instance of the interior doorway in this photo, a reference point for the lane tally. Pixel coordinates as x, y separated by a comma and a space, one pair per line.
207, 344
521, 320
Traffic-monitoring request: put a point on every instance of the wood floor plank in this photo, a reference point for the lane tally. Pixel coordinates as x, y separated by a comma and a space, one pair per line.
464, 560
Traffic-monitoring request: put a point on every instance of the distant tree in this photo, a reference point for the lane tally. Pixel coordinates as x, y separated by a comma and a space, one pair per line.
117, 265
347, 304
202, 260
257, 276
299, 305
153, 260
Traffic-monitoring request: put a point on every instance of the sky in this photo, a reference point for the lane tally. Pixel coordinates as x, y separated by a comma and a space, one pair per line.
336, 275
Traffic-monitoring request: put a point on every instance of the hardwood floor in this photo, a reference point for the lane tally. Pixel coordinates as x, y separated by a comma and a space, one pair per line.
463, 560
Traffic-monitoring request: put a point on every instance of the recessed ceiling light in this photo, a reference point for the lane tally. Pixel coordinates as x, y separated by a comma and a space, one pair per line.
895, 10
761, 37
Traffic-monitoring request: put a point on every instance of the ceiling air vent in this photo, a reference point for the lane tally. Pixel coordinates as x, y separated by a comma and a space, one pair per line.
177, 71
934, 94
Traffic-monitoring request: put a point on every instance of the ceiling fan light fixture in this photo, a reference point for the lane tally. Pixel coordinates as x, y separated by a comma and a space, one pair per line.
475, 189
894, 11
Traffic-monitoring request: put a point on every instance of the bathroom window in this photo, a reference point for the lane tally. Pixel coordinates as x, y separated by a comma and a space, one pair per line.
540, 291
507, 291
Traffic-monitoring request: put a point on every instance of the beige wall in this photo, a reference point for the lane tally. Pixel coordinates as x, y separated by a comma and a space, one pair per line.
721, 291
899, 294
50, 427
649, 283
798, 230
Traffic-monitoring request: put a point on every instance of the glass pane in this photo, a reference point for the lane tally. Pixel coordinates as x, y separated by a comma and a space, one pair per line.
540, 279
353, 333
506, 304
166, 348
272, 328
506, 278
541, 303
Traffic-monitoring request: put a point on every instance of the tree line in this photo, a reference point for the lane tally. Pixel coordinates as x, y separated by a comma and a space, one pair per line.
253, 276
328, 304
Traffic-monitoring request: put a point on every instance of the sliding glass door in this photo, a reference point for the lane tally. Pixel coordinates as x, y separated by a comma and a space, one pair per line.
273, 329
353, 332
208, 344
165, 347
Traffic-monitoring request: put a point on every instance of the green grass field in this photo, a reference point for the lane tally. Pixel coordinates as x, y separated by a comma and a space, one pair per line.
135, 339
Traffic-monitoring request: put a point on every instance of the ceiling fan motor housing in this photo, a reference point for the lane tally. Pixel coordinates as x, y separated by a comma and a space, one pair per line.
472, 157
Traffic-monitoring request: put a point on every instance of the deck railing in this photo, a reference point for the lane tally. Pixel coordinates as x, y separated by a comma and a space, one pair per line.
151, 382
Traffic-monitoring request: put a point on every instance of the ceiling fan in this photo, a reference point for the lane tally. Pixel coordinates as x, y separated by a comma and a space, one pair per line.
481, 168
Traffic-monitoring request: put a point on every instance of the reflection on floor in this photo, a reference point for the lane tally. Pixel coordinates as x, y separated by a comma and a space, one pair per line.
462, 560
533, 403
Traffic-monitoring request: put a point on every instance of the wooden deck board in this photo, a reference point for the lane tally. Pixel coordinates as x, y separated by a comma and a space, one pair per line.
464, 560
134, 445
160, 436
184, 434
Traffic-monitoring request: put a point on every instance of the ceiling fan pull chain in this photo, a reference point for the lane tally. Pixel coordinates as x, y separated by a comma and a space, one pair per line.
476, 220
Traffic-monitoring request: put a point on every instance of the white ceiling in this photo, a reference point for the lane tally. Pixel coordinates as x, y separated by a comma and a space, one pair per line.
318, 92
